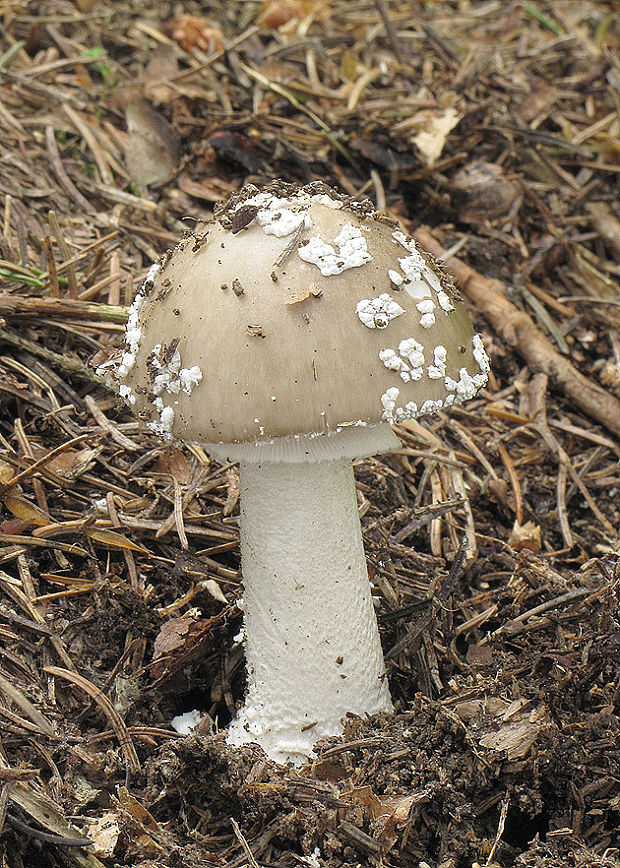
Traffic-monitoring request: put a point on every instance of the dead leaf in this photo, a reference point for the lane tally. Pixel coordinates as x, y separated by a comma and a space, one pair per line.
153, 150
25, 705
133, 807
237, 148
177, 640
193, 31
470, 709
479, 655
515, 726
104, 832
42, 809
13, 526
243, 217
514, 738
143, 827
6, 472
525, 536
433, 128
541, 97
174, 463
212, 587
297, 295
172, 636
387, 813
210, 189
114, 540
232, 492
482, 192
26, 511
73, 462
160, 69
276, 13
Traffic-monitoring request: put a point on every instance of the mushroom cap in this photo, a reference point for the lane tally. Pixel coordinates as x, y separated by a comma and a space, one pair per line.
295, 311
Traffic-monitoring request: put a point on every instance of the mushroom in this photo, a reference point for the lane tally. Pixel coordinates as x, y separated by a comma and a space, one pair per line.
289, 334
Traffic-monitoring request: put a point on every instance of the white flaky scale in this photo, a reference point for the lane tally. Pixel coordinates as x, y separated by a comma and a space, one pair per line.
276, 214
376, 313
395, 277
437, 371
419, 274
466, 386
170, 376
133, 334
163, 425
126, 393
282, 222
443, 300
413, 351
410, 364
459, 391
413, 264
352, 251
328, 201
278, 219
152, 273
430, 407
408, 243
426, 308
190, 377
480, 354
388, 402
186, 723
393, 362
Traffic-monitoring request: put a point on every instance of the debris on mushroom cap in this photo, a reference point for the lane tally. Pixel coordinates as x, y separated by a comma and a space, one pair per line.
357, 324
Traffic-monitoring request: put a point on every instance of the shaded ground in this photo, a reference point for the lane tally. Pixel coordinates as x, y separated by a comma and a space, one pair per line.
491, 537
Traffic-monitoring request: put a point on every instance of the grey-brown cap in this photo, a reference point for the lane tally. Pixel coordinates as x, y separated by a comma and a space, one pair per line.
295, 311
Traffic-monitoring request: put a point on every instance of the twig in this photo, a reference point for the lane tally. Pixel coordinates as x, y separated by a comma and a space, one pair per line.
516, 625
66, 363
244, 844
60, 309
62, 244
46, 837
500, 831
116, 721
514, 481
520, 332
389, 30
51, 267
102, 420
36, 465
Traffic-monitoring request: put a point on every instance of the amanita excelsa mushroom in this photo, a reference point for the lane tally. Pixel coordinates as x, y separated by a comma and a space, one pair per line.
289, 334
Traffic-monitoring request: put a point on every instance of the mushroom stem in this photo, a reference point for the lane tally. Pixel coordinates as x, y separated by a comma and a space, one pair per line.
313, 651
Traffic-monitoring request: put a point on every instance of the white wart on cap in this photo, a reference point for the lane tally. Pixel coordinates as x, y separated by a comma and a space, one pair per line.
295, 311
